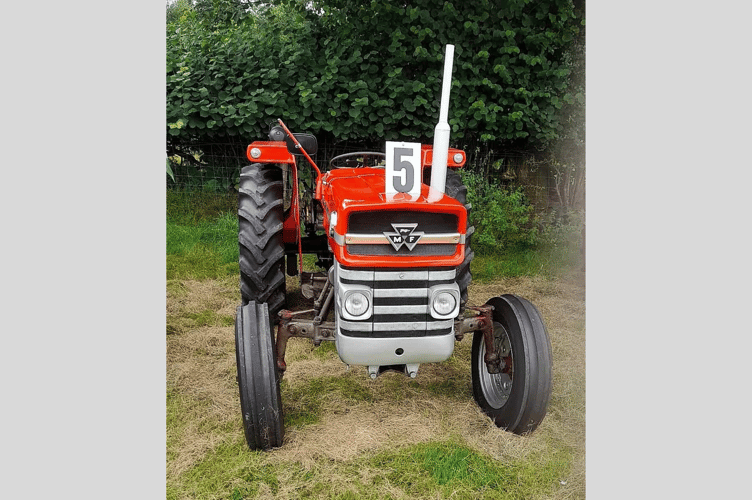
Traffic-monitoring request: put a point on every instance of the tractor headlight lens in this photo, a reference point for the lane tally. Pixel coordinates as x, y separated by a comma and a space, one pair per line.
356, 304
458, 158
444, 303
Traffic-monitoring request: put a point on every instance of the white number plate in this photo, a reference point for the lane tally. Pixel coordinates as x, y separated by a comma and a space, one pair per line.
403, 172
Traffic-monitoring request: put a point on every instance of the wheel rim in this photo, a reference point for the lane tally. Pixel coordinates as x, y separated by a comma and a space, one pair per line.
497, 387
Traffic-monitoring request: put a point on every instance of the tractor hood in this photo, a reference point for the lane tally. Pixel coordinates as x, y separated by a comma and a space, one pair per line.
367, 227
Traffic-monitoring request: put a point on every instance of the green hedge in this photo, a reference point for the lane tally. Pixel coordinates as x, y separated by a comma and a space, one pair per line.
369, 70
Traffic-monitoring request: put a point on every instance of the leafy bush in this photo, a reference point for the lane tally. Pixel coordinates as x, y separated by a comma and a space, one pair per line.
366, 71
502, 217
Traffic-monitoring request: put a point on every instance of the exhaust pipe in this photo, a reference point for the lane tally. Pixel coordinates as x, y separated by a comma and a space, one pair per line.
441, 132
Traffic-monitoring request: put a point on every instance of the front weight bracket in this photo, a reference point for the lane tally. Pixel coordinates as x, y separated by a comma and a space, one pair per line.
481, 322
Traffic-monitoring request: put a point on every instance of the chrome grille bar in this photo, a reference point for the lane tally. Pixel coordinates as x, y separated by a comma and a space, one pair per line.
400, 302
426, 239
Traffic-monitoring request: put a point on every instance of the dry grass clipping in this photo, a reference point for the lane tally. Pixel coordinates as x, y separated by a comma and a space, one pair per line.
201, 371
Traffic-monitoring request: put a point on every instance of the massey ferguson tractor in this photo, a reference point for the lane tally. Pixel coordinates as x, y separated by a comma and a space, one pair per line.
391, 229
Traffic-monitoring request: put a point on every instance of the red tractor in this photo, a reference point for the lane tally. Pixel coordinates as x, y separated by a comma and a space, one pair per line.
397, 254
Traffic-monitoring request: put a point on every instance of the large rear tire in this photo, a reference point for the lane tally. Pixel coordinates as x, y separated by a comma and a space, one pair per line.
455, 188
262, 250
516, 399
258, 378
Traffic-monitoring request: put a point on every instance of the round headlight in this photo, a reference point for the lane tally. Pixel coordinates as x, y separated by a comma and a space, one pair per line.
356, 304
444, 303
255, 153
458, 158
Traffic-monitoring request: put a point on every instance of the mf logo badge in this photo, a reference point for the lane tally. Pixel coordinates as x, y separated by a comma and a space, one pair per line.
404, 234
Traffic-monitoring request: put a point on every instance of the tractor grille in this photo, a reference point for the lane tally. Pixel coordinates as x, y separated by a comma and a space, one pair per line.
366, 233
400, 302
377, 222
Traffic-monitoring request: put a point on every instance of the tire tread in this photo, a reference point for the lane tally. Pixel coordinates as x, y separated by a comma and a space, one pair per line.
258, 380
531, 351
260, 226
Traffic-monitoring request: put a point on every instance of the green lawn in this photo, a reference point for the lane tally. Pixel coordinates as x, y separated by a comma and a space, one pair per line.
348, 437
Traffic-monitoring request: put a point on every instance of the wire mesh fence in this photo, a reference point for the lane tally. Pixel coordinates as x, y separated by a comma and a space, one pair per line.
205, 177
215, 168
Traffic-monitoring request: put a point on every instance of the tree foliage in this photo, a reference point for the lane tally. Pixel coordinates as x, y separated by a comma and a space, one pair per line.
369, 71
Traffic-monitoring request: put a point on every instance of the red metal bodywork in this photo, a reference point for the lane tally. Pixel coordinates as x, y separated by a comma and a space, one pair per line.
276, 152
426, 152
346, 190
270, 152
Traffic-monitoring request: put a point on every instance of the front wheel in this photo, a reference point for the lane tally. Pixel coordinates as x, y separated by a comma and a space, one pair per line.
258, 379
516, 399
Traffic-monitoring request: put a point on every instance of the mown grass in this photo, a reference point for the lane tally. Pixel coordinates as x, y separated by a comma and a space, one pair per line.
543, 260
486, 268
451, 469
442, 469
179, 324
348, 437
306, 401
202, 248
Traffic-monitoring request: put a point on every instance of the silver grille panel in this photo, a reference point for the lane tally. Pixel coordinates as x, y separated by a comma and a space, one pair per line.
400, 302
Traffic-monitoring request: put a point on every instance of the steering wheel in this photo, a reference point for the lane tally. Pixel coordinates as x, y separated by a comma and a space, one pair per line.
358, 159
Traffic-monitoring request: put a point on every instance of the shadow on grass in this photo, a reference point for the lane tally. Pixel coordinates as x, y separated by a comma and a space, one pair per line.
304, 403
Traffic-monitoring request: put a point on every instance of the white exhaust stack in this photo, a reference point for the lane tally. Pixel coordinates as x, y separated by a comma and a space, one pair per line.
441, 132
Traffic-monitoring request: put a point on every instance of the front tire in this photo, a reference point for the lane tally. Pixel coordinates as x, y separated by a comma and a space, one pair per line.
258, 378
517, 398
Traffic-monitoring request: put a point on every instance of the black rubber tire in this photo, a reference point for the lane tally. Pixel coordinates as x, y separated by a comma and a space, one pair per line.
258, 378
262, 250
521, 408
457, 190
